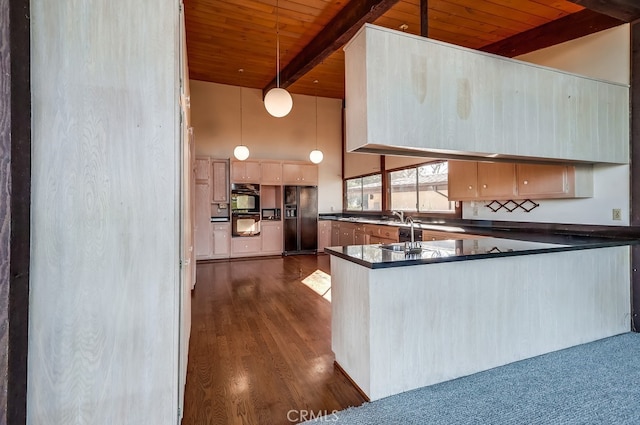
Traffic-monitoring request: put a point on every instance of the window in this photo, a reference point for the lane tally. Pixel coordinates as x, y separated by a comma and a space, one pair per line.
364, 193
421, 189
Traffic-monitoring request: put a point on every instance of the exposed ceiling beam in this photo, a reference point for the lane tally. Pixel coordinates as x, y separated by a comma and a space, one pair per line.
424, 18
564, 29
337, 32
625, 10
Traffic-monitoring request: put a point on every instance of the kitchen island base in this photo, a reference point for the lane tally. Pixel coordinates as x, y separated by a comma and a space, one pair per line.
401, 328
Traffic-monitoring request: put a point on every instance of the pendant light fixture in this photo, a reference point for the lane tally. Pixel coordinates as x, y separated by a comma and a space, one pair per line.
278, 101
241, 152
316, 155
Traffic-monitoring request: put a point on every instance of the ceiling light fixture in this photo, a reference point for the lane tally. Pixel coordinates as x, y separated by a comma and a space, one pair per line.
278, 101
241, 152
316, 155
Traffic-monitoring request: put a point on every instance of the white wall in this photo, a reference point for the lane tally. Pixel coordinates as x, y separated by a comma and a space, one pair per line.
215, 116
604, 55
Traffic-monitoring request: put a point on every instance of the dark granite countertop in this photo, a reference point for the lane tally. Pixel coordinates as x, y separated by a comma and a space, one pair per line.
375, 257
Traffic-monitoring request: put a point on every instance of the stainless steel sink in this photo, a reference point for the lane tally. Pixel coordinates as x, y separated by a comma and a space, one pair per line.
392, 247
402, 248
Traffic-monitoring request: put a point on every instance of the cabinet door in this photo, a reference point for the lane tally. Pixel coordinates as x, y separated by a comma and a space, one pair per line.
496, 180
309, 174
271, 234
221, 240
238, 171
271, 173
324, 235
202, 169
202, 228
243, 246
535, 180
463, 180
335, 234
252, 171
291, 173
220, 182
346, 234
389, 233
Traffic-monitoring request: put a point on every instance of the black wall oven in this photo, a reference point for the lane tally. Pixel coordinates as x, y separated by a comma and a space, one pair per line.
245, 209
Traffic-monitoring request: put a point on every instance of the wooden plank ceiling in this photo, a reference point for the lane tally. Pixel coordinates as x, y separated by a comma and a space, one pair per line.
234, 41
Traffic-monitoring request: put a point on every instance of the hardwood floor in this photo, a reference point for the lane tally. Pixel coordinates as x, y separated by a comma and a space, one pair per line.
260, 349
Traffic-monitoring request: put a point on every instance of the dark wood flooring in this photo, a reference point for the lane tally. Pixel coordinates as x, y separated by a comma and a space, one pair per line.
260, 349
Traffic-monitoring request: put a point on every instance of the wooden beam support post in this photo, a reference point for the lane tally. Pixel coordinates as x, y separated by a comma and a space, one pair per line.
635, 173
337, 32
564, 29
15, 201
424, 18
625, 10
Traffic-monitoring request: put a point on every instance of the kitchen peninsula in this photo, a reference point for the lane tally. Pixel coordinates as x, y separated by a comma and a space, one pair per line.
402, 321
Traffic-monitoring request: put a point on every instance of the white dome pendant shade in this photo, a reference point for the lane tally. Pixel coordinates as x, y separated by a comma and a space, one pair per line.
241, 152
278, 102
316, 156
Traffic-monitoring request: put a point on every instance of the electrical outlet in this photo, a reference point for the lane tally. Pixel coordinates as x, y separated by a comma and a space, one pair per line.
616, 214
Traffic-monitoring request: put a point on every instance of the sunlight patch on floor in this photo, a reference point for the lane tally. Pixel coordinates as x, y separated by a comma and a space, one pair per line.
320, 282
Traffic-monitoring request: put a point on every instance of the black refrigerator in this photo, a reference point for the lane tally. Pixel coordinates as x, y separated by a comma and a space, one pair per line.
300, 219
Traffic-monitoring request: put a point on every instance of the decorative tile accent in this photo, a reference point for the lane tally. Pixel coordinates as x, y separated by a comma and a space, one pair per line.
527, 205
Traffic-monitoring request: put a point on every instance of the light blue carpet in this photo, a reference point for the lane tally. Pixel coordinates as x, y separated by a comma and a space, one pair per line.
594, 383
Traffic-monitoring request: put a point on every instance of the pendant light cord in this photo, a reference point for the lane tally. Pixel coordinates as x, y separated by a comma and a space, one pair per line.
241, 117
277, 45
315, 82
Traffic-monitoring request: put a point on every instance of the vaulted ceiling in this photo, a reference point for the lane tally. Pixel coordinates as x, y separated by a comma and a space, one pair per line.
234, 41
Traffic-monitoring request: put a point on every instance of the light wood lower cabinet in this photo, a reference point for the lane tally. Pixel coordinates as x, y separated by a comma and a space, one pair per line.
202, 227
221, 235
436, 235
271, 235
246, 246
347, 234
335, 234
324, 234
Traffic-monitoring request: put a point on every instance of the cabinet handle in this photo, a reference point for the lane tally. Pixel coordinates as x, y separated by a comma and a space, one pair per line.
525, 182
484, 186
470, 187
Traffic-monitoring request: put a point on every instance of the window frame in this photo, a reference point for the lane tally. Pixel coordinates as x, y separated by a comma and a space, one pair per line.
367, 212
386, 195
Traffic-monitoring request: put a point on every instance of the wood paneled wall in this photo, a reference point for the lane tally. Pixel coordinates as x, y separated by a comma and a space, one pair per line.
15, 139
103, 331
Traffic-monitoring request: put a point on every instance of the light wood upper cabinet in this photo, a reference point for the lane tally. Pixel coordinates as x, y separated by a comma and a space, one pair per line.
272, 239
300, 174
496, 180
552, 180
463, 180
220, 184
502, 181
271, 173
245, 171
203, 169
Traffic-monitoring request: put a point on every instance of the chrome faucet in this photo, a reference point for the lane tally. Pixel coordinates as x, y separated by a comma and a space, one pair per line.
400, 215
410, 221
